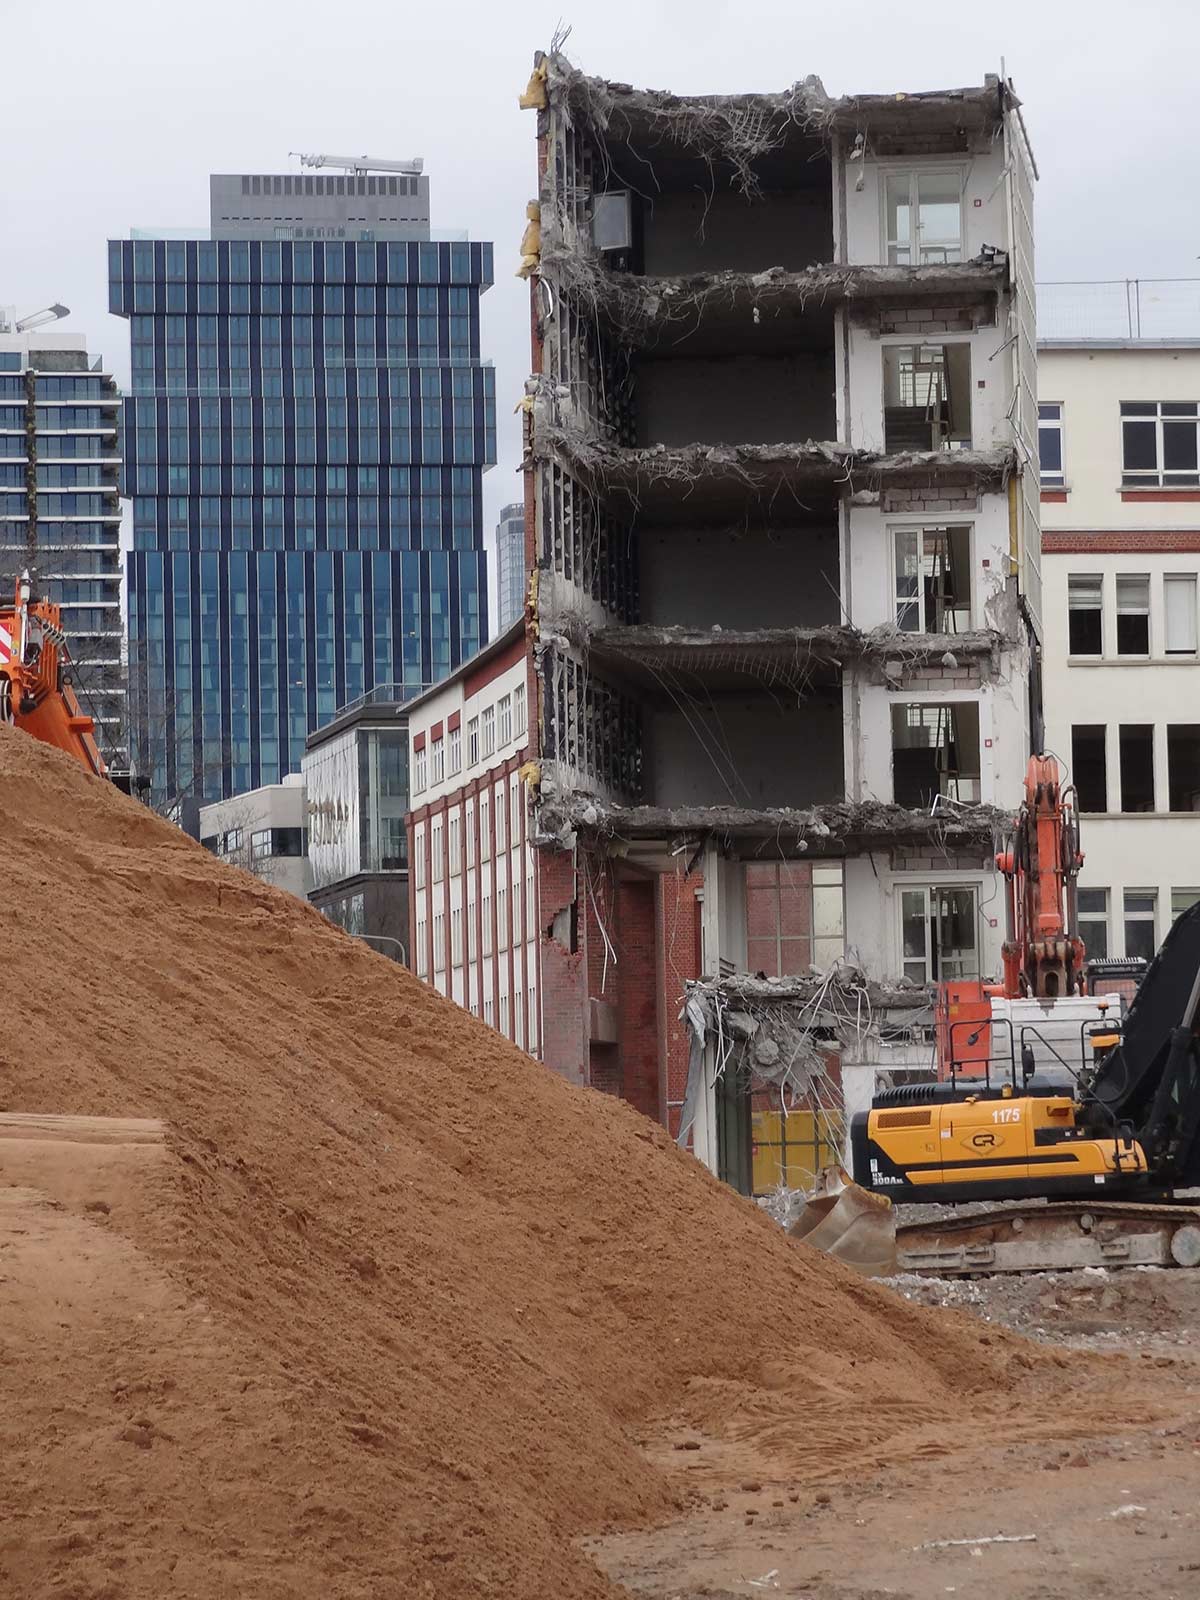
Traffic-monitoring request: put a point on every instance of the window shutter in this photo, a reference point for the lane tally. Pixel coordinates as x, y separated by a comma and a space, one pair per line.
1179, 597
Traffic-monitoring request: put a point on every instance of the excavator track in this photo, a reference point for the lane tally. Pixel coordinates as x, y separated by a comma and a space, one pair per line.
1056, 1236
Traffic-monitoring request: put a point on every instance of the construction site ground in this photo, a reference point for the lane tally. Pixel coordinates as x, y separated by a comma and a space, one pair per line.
1113, 1507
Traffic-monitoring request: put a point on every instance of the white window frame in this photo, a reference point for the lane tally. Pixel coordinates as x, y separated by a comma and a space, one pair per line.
896, 530
1092, 578
485, 906
456, 953
1139, 916
454, 843
436, 833
487, 718
439, 941
1052, 480
437, 761
500, 818
454, 752
472, 741
1127, 578
1091, 919
903, 887
916, 245
470, 827
485, 831
472, 941
504, 721
419, 771
419, 858
1181, 578
502, 939
1159, 476
519, 723
422, 949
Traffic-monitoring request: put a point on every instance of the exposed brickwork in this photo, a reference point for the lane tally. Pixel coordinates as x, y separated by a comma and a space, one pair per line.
1121, 541
637, 997
778, 917
564, 989
1161, 496
965, 675
951, 497
678, 921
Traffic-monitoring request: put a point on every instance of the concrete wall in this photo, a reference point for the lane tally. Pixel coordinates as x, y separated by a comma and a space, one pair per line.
873, 935
869, 590
747, 753
990, 387
985, 220
782, 578
695, 231
1090, 385
735, 399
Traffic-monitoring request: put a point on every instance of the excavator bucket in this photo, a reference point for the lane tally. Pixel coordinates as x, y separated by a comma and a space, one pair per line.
849, 1222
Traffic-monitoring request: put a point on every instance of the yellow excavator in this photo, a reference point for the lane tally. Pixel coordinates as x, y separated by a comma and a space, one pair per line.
1086, 1135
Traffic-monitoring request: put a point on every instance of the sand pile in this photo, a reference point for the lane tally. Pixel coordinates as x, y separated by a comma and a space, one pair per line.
391, 1309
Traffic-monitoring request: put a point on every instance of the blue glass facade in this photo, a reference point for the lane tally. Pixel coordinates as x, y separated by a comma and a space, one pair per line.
304, 448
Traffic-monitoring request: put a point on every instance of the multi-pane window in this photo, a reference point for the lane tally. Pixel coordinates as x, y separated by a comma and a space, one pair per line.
514, 796
519, 710
504, 720
923, 217
933, 579
439, 941
485, 827
1183, 900
422, 949
1140, 906
502, 916
1159, 444
939, 933
436, 837
437, 761
419, 859
472, 741
1179, 613
501, 815
454, 752
470, 835
1092, 908
420, 769
456, 952
1085, 614
1133, 615
472, 941
1050, 444
486, 906
488, 730
454, 843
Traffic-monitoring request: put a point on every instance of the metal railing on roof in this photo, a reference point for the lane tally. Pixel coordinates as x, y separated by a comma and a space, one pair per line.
1119, 308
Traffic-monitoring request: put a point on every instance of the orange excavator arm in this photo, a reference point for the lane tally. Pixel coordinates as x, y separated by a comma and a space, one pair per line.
1043, 954
34, 693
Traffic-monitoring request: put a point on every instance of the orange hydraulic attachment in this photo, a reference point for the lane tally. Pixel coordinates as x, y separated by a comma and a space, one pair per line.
34, 693
1043, 953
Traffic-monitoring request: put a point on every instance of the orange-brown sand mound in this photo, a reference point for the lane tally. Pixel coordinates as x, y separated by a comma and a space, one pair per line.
385, 1313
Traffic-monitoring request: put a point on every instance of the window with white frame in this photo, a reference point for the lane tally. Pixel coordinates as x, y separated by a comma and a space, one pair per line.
486, 907
454, 752
502, 916
939, 930
472, 741
514, 801
1092, 909
519, 710
1159, 444
923, 216
933, 579
504, 720
454, 843
529, 899
456, 935
419, 769
436, 836
1085, 614
1179, 613
422, 949
419, 861
439, 941
471, 939
1133, 615
488, 730
1183, 900
501, 815
437, 761
1050, 444
1140, 908
485, 828
470, 824
504, 1013
518, 1021
487, 1011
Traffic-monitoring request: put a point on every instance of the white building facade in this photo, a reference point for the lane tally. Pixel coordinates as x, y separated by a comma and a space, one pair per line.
472, 891
1120, 436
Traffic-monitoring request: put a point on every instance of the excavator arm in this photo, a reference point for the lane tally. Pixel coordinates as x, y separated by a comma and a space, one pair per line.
34, 693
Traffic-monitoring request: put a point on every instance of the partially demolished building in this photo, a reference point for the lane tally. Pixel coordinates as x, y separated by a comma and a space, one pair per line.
782, 536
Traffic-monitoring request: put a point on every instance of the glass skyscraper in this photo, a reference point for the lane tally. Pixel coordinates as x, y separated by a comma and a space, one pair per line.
511, 577
60, 515
305, 440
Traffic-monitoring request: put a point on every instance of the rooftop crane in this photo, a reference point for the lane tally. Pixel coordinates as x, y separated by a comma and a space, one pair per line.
360, 164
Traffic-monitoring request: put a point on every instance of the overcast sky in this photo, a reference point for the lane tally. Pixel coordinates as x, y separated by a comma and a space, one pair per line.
115, 115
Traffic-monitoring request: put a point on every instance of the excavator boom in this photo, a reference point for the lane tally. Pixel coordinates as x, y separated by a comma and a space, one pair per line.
34, 693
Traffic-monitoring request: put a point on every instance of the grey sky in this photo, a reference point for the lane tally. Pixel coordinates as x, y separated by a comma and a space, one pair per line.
116, 114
